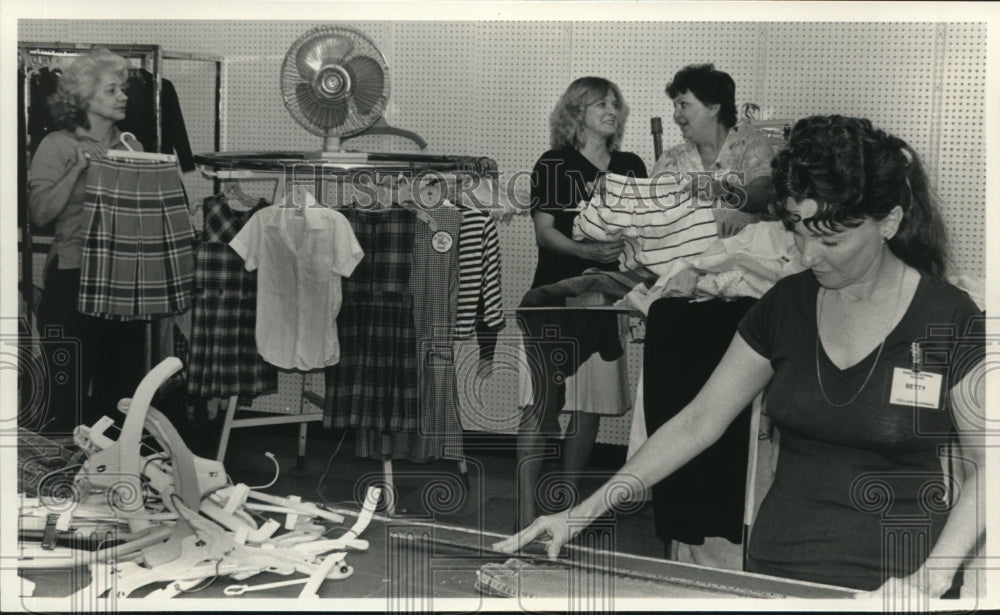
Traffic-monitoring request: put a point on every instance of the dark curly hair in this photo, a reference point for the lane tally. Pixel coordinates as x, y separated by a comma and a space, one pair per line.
710, 86
855, 171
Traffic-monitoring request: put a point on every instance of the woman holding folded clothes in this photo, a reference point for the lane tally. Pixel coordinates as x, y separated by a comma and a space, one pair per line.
104, 356
872, 363
586, 129
729, 164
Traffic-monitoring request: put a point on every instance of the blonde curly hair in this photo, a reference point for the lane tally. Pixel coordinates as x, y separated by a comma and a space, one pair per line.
79, 83
567, 117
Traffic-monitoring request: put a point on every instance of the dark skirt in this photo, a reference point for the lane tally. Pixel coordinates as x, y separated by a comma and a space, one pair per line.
684, 343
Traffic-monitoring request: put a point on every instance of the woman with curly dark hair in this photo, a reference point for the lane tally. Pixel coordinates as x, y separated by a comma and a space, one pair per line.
108, 356
728, 162
869, 369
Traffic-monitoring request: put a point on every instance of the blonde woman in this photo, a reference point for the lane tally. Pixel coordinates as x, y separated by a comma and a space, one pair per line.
587, 125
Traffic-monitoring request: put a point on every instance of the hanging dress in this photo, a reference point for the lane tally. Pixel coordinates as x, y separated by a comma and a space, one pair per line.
434, 283
223, 358
374, 386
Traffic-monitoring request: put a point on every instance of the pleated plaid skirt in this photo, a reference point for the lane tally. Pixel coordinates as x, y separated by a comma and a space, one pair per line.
137, 259
223, 358
374, 385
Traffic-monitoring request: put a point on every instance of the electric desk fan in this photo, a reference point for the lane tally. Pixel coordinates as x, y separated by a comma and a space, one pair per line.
335, 83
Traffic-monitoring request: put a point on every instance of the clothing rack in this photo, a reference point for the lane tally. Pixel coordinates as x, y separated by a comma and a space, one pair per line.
151, 58
291, 169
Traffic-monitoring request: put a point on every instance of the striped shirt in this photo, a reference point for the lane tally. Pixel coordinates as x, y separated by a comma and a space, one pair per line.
657, 218
478, 274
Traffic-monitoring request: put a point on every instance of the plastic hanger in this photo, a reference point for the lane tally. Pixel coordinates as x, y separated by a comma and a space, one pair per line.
236, 198
403, 188
422, 215
131, 154
250, 175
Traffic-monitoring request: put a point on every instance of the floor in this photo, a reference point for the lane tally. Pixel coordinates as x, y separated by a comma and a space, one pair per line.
330, 473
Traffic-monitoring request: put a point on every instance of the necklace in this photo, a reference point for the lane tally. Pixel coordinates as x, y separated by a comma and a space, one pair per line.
878, 355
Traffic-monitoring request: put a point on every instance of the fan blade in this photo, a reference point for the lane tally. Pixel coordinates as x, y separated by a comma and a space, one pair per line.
367, 82
322, 50
321, 112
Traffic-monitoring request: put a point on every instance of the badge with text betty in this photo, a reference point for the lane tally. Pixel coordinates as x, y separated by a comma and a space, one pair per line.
915, 388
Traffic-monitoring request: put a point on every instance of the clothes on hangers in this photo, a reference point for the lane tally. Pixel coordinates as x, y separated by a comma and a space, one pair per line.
42, 83
480, 302
477, 165
374, 387
434, 286
301, 255
140, 112
137, 258
223, 360
140, 117
657, 218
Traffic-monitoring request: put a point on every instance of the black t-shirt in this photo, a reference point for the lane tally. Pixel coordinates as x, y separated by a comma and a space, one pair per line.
559, 181
852, 480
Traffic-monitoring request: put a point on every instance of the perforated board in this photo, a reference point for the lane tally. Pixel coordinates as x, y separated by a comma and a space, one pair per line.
487, 88
961, 154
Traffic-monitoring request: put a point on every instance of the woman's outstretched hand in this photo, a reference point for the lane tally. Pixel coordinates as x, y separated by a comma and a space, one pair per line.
557, 528
911, 591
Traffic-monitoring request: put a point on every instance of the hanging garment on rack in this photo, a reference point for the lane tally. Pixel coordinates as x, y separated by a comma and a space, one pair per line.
476, 165
42, 83
301, 253
374, 387
140, 117
223, 358
434, 286
657, 218
137, 260
480, 302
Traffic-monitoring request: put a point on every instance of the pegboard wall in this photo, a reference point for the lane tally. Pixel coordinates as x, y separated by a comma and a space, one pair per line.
487, 88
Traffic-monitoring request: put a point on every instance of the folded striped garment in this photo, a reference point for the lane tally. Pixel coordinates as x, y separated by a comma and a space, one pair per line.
658, 218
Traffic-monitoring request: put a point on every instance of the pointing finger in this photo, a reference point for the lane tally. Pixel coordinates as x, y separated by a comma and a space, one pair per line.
553, 549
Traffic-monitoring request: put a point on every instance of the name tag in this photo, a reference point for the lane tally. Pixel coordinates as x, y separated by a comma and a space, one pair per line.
915, 389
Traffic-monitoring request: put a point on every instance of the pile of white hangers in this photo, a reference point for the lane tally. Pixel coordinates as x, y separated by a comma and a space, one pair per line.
176, 519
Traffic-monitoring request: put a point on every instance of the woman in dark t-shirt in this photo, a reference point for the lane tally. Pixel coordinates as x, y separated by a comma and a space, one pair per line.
586, 131
871, 361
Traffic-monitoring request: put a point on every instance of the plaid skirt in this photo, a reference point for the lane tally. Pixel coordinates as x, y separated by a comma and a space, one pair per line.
374, 386
137, 251
223, 358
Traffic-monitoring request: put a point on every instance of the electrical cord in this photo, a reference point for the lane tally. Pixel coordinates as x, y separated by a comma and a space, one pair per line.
327, 469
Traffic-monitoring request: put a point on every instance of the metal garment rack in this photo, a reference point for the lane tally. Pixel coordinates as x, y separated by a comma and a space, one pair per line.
151, 58
290, 169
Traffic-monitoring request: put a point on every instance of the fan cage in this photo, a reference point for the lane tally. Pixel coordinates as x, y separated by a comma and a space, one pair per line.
312, 99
